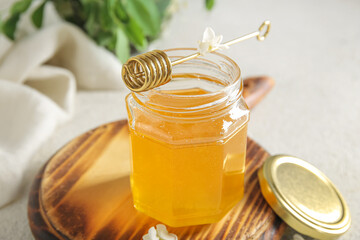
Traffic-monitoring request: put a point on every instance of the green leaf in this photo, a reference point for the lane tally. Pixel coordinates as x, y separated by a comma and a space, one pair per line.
122, 49
71, 11
37, 15
20, 7
119, 11
106, 21
136, 35
209, 4
1, 24
92, 24
107, 40
64, 8
146, 14
9, 26
162, 5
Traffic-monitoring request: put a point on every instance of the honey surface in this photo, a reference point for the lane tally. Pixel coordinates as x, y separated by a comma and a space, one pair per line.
188, 183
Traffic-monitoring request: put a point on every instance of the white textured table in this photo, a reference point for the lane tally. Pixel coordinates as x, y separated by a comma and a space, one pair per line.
313, 53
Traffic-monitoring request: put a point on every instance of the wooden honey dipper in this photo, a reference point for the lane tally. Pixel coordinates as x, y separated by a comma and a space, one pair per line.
152, 69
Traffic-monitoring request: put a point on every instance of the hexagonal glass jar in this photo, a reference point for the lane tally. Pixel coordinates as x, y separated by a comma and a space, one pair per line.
188, 142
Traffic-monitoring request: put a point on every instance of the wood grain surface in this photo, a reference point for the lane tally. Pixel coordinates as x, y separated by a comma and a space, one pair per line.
83, 192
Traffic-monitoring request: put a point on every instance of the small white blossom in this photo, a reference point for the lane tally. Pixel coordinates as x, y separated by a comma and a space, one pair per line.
151, 235
160, 233
210, 41
164, 234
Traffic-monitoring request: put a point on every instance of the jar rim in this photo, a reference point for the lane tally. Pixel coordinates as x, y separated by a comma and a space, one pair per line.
210, 94
214, 101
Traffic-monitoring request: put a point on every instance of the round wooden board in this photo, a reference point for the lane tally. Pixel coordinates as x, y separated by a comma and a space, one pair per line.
83, 192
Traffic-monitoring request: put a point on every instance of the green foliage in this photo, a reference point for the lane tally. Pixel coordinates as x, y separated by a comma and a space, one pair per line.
162, 6
20, 7
37, 15
9, 25
136, 35
209, 4
122, 49
146, 14
118, 25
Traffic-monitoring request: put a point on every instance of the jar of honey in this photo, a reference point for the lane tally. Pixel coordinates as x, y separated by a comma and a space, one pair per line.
188, 142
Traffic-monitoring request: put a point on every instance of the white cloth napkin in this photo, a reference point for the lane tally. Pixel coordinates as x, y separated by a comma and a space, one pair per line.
38, 79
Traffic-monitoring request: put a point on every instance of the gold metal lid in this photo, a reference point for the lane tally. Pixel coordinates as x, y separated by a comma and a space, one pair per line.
304, 197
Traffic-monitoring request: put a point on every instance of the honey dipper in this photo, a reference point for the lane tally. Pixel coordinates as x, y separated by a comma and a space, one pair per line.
152, 69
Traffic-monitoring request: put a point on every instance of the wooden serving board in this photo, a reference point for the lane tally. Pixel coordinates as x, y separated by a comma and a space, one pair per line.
83, 191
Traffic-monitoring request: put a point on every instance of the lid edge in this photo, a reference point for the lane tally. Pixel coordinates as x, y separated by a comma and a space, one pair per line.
298, 222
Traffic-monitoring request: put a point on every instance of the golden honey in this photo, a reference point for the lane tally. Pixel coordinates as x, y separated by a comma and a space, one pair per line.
188, 146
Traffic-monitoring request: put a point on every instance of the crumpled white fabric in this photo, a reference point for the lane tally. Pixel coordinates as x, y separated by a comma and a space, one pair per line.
39, 75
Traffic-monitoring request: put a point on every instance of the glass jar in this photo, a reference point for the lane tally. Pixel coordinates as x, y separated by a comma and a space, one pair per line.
188, 142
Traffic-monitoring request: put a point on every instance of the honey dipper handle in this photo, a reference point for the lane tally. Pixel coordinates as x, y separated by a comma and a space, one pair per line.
258, 34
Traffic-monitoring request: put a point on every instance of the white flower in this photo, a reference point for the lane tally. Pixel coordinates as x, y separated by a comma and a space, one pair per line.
159, 234
164, 234
152, 235
210, 41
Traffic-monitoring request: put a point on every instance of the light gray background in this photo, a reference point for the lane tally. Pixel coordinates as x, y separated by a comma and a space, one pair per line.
313, 112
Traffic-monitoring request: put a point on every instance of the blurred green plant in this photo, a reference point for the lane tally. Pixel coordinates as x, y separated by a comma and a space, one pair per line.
118, 25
